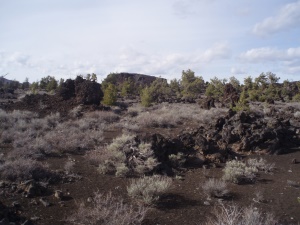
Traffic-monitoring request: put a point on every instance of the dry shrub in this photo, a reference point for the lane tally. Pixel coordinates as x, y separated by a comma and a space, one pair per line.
103, 116
215, 188
95, 156
42, 137
238, 172
172, 115
107, 210
234, 215
24, 169
125, 156
261, 164
148, 189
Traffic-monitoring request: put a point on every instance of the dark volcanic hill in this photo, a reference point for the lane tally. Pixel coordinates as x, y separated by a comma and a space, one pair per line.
138, 79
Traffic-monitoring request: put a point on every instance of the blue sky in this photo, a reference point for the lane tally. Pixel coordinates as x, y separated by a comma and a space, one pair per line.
223, 38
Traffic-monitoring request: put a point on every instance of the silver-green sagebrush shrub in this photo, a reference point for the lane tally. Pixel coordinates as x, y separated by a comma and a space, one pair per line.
107, 210
238, 172
125, 156
24, 169
215, 188
261, 164
148, 189
234, 215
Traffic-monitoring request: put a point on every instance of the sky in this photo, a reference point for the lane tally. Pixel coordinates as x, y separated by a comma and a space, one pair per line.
222, 38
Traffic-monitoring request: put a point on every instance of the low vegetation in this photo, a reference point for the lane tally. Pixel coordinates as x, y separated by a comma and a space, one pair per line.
233, 214
238, 172
215, 188
157, 134
125, 157
107, 210
148, 189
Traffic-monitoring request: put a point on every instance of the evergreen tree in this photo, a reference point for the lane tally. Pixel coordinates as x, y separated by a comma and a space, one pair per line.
146, 98
110, 95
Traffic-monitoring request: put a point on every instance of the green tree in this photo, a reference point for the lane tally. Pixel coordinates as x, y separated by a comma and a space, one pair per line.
261, 81
34, 87
25, 84
175, 87
127, 88
191, 85
110, 95
215, 88
248, 83
235, 83
52, 85
49, 83
146, 98
159, 89
242, 104
272, 78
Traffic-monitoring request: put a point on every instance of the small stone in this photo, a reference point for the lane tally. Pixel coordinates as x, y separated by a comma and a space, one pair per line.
58, 194
44, 202
35, 218
16, 204
294, 161
89, 199
206, 203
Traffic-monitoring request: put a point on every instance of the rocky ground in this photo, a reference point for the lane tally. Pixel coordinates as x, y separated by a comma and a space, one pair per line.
270, 132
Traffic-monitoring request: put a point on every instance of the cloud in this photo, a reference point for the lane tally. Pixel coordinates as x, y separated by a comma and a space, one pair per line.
287, 18
218, 51
287, 59
257, 55
126, 59
13, 59
237, 71
185, 8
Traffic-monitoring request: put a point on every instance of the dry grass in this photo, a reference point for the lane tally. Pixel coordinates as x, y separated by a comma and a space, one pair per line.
171, 115
261, 164
107, 210
148, 189
234, 215
238, 172
124, 157
24, 169
38, 137
215, 188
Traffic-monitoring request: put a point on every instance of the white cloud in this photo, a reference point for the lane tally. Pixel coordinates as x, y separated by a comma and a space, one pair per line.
237, 71
288, 60
288, 17
218, 51
257, 55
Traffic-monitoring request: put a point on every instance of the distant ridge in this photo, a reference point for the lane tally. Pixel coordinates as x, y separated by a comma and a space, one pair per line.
139, 79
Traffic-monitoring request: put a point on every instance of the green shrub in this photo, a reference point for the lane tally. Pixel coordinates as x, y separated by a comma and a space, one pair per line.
296, 98
146, 98
110, 95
